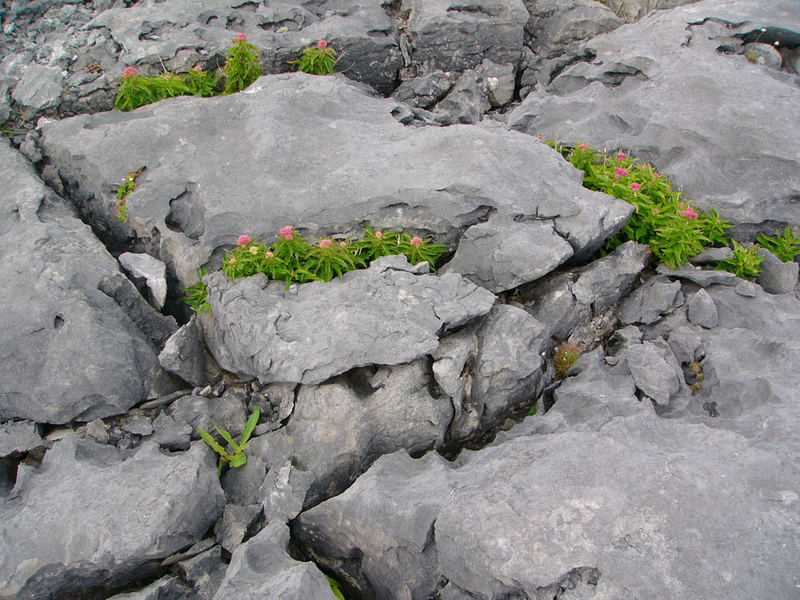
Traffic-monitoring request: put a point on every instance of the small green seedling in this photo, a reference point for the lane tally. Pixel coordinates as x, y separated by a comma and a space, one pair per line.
785, 246
335, 587
236, 457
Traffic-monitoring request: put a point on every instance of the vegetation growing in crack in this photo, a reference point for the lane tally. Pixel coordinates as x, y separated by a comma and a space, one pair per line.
317, 60
292, 259
125, 189
233, 454
241, 68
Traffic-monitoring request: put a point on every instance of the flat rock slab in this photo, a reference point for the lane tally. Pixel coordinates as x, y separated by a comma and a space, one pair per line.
321, 154
645, 506
384, 315
657, 88
67, 350
92, 515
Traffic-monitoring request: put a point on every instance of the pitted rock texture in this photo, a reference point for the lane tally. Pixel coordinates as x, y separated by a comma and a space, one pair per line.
92, 515
68, 350
195, 198
672, 89
384, 315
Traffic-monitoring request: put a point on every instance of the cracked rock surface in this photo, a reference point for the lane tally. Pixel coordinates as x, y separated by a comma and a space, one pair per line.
674, 89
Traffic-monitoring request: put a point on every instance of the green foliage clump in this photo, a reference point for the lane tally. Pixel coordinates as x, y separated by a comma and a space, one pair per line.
745, 262
317, 60
242, 66
291, 258
674, 230
234, 454
196, 294
565, 356
335, 587
785, 246
125, 189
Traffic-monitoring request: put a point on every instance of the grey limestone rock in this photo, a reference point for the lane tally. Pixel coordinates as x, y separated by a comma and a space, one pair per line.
635, 502
114, 513
227, 411
381, 315
777, 277
236, 523
701, 310
262, 568
648, 302
426, 90
442, 182
711, 256
702, 277
656, 88
337, 430
166, 588
686, 344
242, 484
184, 354
606, 280
458, 36
633, 10
68, 350
39, 89
284, 491
170, 433
500, 82
205, 571
553, 303
655, 370
18, 436
139, 425
466, 102
152, 270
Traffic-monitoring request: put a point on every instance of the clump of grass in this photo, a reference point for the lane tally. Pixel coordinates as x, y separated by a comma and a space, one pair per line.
317, 60
565, 356
785, 246
745, 262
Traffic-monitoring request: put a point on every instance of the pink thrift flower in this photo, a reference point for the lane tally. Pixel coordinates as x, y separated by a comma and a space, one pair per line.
582, 146
240, 37
622, 156
325, 243
541, 137
416, 241
286, 232
233, 260
130, 72
620, 172
243, 240
379, 235
655, 211
681, 204
322, 44
343, 244
166, 75
636, 186
198, 68
269, 254
689, 213
656, 175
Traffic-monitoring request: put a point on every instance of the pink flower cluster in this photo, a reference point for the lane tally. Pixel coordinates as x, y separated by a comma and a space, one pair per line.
689, 213
635, 186
243, 240
129, 72
622, 156
416, 241
287, 233
240, 37
325, 243
619, 172
322, 44
582, 146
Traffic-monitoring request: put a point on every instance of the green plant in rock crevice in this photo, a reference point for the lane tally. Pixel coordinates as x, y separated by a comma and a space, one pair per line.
785, 246
126, 187
234, 456
674, 230
317, 60
242, 66
565, 356
745, 262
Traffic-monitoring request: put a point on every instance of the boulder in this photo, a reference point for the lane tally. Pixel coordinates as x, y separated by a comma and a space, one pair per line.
18, 436
648, 302
110, 516
338, 429
443, 181
656, 88
384, 315
262, 568
615, 513
152, 270
777, 277
69, 351
184, 354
